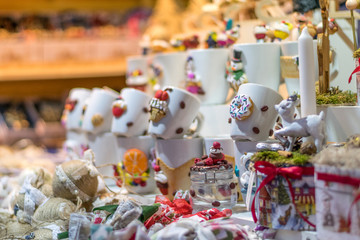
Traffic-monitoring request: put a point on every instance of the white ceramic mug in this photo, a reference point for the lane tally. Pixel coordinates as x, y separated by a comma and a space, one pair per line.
172, 112
240, 148
210, 70
98, 117
290, 49
172, 66
261, 63
75, 104
104, 148
124, 145
253, 112
175, 157
130, 113
176, 152
215, 115
76, 143
136, 70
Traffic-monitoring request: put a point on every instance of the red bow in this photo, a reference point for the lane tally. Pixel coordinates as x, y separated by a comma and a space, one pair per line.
289, 172
357, 69
343, 180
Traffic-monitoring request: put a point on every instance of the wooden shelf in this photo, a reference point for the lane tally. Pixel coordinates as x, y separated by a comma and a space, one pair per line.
19, 81
66, 70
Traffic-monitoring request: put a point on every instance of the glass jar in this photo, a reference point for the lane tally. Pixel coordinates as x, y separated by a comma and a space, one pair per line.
212, 187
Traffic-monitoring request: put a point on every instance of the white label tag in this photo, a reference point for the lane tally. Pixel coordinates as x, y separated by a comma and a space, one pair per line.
249, 190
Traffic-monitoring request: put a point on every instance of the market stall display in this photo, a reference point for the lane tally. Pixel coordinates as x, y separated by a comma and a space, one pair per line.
202, 136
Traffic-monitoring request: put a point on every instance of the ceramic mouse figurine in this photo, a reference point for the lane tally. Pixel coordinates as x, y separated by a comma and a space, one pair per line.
312, 125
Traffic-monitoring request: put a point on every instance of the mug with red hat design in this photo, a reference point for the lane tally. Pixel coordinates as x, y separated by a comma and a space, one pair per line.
130, 113
172, 111
210, 69
74, 107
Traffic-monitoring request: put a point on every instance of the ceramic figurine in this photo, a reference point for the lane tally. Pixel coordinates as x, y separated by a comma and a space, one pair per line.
193, 84
235, 73
282, 30
245, 176
136, 79
233, 35
211, 40
158, 46
333, 26
312, 125
155, 75
221, 40
145, 44
158, 105
177, 44
260, 33
212, 182
191, 42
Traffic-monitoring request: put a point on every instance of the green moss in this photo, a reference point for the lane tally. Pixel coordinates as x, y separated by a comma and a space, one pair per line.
336, 97
278, 160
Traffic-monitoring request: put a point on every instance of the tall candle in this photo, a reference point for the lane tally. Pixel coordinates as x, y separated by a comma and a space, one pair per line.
307, 74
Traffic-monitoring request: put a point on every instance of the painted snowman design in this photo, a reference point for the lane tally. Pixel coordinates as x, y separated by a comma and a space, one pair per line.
235, 73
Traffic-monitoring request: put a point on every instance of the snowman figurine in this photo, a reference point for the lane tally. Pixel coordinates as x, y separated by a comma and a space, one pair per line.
235, 73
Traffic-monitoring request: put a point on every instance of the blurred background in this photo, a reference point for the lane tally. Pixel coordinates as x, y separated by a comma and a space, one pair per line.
48, 47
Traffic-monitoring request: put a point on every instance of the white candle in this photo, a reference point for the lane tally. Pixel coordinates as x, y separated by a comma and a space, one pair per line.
307, 74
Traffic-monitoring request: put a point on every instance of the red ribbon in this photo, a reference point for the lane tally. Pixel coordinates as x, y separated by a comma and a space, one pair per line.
343, 180
289, 172
357, 69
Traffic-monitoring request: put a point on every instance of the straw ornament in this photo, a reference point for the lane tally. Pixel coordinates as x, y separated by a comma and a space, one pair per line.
52, 210
14, 229
76, 178
35, 190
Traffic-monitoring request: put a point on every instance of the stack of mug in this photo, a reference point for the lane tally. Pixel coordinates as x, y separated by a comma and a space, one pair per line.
113, 125
191, 90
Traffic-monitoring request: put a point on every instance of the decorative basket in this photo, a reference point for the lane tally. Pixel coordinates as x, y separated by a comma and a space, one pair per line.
337, 199
285, 197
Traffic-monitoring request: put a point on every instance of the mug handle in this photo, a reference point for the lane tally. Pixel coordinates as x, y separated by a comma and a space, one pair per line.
195, 131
